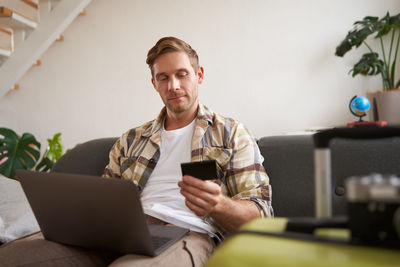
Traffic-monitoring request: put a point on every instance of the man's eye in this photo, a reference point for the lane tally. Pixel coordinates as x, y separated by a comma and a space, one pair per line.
182, 74
163, 78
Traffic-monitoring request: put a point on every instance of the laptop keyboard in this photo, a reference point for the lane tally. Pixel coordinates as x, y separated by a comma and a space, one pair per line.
159, 241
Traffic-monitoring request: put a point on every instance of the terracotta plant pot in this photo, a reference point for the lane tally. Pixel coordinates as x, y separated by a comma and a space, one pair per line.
385, 106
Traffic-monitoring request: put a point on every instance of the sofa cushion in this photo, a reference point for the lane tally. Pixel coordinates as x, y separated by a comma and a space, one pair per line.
89, 158
16, 216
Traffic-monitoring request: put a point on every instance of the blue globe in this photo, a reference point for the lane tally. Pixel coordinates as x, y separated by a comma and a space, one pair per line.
359, 105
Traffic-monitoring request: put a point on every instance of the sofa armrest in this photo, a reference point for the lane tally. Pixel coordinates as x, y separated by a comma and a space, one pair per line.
288, 161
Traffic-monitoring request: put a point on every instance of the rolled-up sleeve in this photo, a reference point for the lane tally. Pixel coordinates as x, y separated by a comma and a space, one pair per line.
113, 169
246, 177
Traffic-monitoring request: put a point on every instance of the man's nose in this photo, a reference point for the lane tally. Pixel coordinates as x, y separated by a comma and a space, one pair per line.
173, 84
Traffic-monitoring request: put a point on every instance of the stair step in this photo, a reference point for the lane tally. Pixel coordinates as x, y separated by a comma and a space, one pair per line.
5, 52
12, 19
27, 8
31, 3
6, 42
6, 31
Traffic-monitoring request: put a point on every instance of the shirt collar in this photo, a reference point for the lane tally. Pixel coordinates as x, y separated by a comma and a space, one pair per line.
203, 113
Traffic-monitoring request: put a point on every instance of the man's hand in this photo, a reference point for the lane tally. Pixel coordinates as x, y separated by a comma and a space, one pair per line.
202, 197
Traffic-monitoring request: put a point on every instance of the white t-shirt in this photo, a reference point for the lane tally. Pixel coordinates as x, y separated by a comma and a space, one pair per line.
161, 197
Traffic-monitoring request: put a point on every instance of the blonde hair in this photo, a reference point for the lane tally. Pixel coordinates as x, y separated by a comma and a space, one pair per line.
171, 44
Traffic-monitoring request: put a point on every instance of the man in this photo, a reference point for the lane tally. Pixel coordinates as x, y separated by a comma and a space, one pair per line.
150, 155
186, 130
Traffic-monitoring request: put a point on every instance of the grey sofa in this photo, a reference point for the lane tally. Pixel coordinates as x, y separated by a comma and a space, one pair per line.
288, 160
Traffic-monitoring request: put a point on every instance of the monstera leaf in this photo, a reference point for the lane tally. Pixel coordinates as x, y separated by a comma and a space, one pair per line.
369, 64
362, 29
17, 152
387, 23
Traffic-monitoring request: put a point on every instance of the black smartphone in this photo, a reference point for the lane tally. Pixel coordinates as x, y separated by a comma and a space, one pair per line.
204, 170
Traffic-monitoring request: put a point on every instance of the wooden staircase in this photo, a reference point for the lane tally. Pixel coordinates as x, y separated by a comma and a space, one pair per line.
27, 29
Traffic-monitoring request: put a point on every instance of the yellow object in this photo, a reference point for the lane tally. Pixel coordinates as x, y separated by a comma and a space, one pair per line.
263, 250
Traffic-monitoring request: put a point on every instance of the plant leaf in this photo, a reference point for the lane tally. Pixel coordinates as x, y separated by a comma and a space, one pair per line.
384, 26
21, 152
54, 151
387, 23
55, 148
361, 30
44, 165
8, 134
369, 64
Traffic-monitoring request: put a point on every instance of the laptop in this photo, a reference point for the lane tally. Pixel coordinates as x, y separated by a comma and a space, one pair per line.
94, 212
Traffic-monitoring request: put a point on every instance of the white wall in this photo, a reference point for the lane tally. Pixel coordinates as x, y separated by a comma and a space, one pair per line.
269, 64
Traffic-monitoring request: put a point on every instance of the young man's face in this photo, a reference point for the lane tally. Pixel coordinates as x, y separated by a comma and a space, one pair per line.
177, 82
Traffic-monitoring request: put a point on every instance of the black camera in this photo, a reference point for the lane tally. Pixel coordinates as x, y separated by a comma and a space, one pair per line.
374, 209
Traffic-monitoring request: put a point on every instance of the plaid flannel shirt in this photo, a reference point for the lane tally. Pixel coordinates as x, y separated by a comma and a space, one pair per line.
241, 174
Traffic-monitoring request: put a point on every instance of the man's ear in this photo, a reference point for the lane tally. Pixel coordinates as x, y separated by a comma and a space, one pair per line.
200, 74
154, 83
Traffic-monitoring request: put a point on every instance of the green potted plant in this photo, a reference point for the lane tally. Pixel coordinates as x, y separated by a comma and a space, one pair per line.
23, 152
383, 60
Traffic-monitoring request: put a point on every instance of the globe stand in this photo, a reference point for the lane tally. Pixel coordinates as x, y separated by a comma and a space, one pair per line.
360, 117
